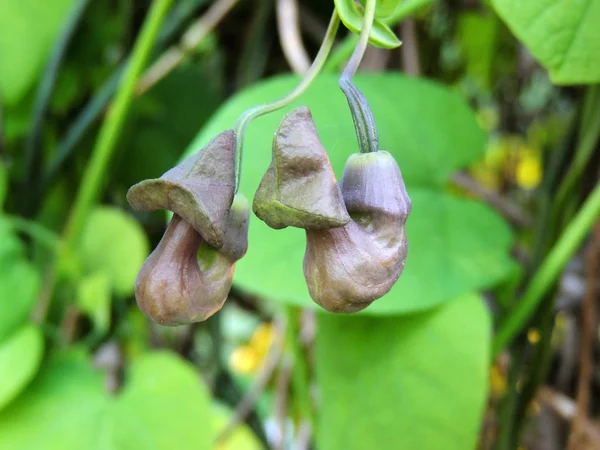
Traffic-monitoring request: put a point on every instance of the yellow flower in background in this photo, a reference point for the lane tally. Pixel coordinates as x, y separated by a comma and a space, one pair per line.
509, 158
533, 336
497, 381
246, 359
262, 338
529, 171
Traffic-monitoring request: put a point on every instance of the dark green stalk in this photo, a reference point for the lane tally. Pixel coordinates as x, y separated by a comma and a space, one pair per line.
540, 365
46, 86
509, 402
364, 121
248, 116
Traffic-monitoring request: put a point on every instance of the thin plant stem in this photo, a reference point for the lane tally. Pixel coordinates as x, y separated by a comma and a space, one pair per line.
242, 123
36, 231
364, 122
549, 270
290, 36
94, 108
111, 129
589, 134
195, 34
95, 170
300, 378
46, 86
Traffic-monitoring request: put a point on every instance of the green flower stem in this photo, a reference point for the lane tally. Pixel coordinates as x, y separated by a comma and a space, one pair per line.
109, 133
242, 123
93, 175
589, 133
549, 270
300, 378
36, 231
364, 122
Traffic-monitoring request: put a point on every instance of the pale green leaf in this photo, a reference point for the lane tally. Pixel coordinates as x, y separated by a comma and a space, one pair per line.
114, 243
20, 357
430, 129
19, 281
413, 382
407, 8
163, 405
28, 29
384, 8
240, 438
352, 15
94, 298
563, 35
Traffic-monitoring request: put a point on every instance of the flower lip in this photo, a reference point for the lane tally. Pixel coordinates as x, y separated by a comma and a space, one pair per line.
200, 189
299, 188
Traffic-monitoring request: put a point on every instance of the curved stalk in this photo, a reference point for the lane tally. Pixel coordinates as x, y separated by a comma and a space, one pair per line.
242, 123
364, 122
546, 275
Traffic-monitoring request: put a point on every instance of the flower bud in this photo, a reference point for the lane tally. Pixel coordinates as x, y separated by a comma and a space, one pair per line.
199, 190
185, 280
299, 188
347, 268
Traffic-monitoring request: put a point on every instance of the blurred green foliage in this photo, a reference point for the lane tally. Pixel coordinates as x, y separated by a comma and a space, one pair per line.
411, 371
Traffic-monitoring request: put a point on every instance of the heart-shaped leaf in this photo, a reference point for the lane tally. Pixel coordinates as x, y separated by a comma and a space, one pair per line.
19, 281
455, 246
563, 35
415, 382
162, 406
20, 357
114, 243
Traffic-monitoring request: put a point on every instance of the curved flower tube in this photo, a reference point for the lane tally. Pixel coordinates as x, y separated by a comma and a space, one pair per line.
185, 280
347, 268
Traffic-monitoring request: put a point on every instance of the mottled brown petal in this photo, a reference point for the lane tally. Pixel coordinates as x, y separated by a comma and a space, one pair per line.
185, 280
299, 188
347, 268
200, 189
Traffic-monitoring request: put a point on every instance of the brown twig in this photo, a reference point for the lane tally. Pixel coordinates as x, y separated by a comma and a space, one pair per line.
566, 408
511, 211
173, 56
281, 400
266, 372
290, 36
410, 47
586, 346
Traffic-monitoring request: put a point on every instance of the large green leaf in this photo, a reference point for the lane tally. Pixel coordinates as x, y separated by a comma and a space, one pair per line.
414, 382
430, 130
19, 282
563, 35
114, 243
20, 357
162, 406
28, 29
455, 246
